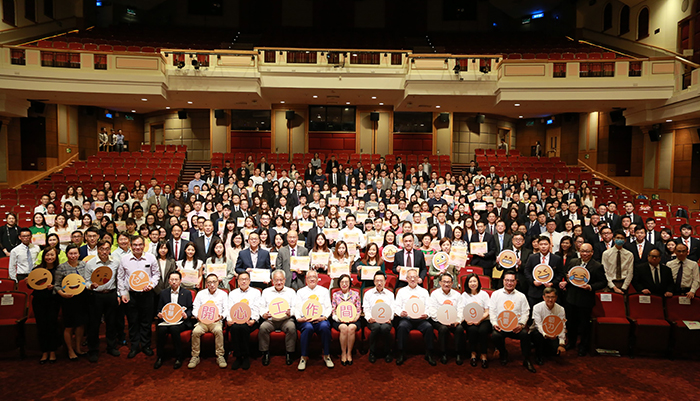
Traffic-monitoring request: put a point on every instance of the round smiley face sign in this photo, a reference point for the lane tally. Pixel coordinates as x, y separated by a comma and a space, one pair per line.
101, 275
389, 252
440, 260
507, 320
172, 313
138, 280
543, 273
579, 276
73, 284
39, 279
507, 259
552, 325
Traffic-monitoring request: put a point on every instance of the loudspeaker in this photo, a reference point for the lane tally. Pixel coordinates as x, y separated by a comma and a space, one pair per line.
655, 133
480, 118
182, 114
374, 116
219, 113
289, 115
616, 118
0, 125
38, 107
444, 117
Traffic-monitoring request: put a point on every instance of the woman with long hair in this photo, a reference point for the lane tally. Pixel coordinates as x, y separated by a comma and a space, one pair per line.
74, 307
46, 305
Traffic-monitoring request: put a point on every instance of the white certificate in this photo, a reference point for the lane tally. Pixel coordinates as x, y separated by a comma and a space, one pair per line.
259, 275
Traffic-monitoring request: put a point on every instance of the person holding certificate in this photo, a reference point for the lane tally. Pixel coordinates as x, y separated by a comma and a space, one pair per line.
371, 261
321, 249
240, 332
406, 323
217, 259
190, 266
347, 329
483, 247
409, 257
294, 274
175, 293
313, 318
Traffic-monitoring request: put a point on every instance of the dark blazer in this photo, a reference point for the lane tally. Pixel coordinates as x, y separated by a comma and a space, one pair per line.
507, 242
202, 252
245, 261
555, 262
418, 261
330, 164
578, 296
534, 231
632, 247
590, 235
311, 237
170, 267
643, 279
401, 167
489, 259
636, 219
598, 249
614, 221
180, 249
657, 239
184, 298
448, 231
694, 251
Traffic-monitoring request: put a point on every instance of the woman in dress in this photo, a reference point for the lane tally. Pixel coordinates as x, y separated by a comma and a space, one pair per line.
74, 307
373, 259
46, 305
347, 330
477, 333
217, 256
190, 265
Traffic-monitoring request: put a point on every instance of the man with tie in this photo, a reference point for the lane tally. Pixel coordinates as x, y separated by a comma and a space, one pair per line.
600, 247
619, 265
406, 324
22, 256
571, 196
503, 239
488, 259
540, 227
173, 294
581, 299
409, 257
176, 243
334, 177
400, 166
203, 243
693, 244
157, 199
611, 217
491, 223
653, 277
653, 236
294, 279
535, 280
634, 218
685, 273
590, 232
639, 246
492, 174
332, 162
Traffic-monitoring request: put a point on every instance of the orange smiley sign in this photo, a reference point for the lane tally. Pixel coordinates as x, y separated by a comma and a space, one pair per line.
543, 273
101, 275
73, 284
138, 280
507, 259
507, 320
39, 279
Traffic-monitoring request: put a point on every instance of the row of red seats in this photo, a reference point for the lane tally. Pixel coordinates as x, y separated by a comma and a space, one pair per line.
55, 44
563, 56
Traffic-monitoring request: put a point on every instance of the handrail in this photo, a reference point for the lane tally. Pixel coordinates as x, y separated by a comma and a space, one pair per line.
607, 178
48, 172
284, 49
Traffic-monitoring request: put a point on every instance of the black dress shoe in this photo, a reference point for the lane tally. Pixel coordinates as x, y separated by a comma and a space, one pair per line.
458, 360
401, 359
113, 352
178, 364
158, 364
289, 358
371, 358
570, 346
246, 363
52, 361
539, 361
484, 363
472, 362
443, 359
349, 362
43, 361
132, 353
388, 358
344, 363
93, 357
529, 367
236, 364
430, 359
148, 351
582, 352
266, 358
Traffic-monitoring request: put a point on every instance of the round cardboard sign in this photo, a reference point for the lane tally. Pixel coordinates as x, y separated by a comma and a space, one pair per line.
101, 275
473, 313
447, 314
578, 276
172, 313
381, 312
208, 313
312, 309
39, 279
73, 284
543, 273
138, 280
415, 308
389, 252
440, 260
346, 312
507, 320
240, 313
552, 325
507, 259
278, 308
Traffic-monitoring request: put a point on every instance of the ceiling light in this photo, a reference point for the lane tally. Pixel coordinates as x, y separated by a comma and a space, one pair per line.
144, 100
669, 121
520, 116
347, 102
437, 107
374, 97
167, 107
381, 104
190, 102
517, 105
133, 111
282, 101
315, 96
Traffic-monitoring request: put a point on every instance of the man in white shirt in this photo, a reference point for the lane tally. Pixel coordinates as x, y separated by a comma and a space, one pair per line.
22, 256
284, 321
544, 343
378, 294
197, 211
104, 302
445, 295
406, 324
510, 299
307, 324
42, 207
240, 332
554, 236
351, 234
619, 264
220, 299
684, 271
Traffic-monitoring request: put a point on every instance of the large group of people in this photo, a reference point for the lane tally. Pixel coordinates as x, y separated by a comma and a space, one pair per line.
189, 256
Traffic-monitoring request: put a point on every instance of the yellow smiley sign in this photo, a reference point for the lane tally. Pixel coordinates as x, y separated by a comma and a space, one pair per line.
507, 259
39, 279
101, 275
440, 260
543, 273
389, 252
579, 276
73, 284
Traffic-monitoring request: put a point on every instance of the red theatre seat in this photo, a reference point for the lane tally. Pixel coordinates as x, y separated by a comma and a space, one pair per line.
611, 328
684, 340
651, 330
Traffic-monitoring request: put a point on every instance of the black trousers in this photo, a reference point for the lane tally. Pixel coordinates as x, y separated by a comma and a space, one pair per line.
499, 340
240, 338
544, 346
139, 313
383, 329
403, 330
46, 307
443, 331
578, 323
119, 319
477, 335
102, 304
174, 332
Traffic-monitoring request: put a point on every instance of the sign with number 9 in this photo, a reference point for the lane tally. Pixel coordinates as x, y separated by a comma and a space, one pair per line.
473, 313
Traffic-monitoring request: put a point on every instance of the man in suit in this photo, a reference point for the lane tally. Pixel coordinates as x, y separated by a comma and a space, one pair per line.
538, 228
503, 240
400, 166
604, 245
203, 243
184, 299
253, 257
334, 177
264, 166
176, 243
92, 235
241, 212
653, 236
590, 232
293, 279
158, 199
444, 229
314, 232
581, 299
693, 244
409, 257
572, 195
611, 217
484, 260
653, 277
346, 178
492, 174
537, 279
639, 247
634, 218
331, 164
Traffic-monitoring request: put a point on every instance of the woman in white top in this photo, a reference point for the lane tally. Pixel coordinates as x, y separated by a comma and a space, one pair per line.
217, 256
61, 227
76, 219
587, 198
190, 264
321, 246
340, 255
234, 246
69, 196
85, 223
477, 333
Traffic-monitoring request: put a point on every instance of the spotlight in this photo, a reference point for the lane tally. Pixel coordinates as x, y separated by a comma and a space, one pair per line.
195, 64
457, 68
180, 64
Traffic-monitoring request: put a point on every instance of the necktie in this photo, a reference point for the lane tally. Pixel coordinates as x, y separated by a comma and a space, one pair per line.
544, 259
177, 254
618, 266
679, 276
158, 201
408, 259
481, 237
206, 246
29, 259
500, 239
293, 251
657, 280
649, 237
640, 247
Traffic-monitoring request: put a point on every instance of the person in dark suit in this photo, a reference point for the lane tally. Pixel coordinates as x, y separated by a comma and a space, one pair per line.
176, 243
581, 299
484, 260
693, 244
184, 299
400, 166
590, 232
317, 229
334, 177
634, 218
639, 242
245, 258
539, 227
444, 229
264, 166
653, 236
536, 289
332, 163
204, 242
293, 279
164, 255
416, 260
653, 277
92, 235
607, 243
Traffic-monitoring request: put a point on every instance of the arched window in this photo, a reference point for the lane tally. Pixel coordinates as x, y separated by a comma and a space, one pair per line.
624, 20
607, 17
643, 23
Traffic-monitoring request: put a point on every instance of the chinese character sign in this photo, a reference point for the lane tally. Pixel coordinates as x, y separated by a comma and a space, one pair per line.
208, 313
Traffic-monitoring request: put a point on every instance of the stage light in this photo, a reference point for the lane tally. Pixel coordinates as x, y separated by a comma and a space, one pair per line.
195, 64
180, 64
457, 68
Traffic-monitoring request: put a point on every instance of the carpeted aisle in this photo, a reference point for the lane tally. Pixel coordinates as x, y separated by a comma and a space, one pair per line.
567, 377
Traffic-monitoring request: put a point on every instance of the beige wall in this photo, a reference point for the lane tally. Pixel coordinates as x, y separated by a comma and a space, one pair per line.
470, 135
193, 131
220, 132
443, 135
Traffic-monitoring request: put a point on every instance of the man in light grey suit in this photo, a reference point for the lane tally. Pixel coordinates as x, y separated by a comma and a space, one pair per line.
294, 280
158, 198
